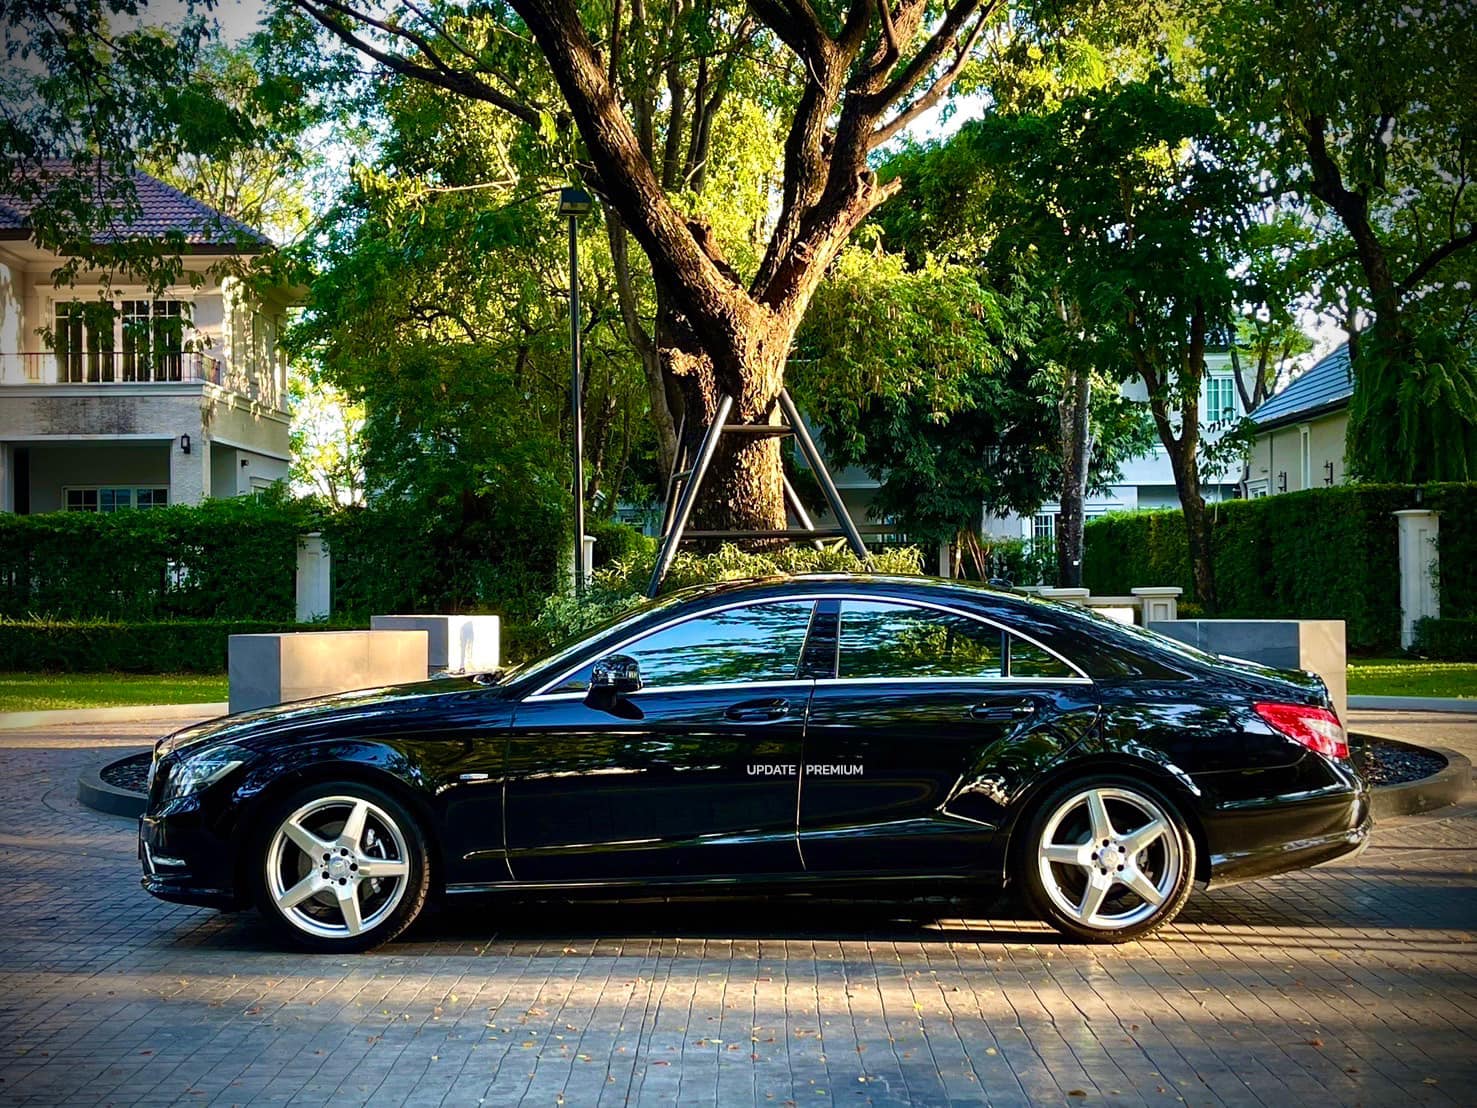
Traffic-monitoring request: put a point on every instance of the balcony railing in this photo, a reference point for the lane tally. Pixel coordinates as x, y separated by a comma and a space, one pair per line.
110, 367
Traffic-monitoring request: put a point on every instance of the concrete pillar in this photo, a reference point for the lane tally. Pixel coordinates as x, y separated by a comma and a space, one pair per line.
1068, 596
314, 590
1159, 604
456, 644
946, 560
568, 567
1420, 569
189, 474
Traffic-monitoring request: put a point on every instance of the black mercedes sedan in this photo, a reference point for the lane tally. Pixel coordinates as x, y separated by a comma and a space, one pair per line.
856, 736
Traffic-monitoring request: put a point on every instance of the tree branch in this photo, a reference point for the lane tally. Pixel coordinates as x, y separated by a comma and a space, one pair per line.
328, 13
1435, 258
936, 91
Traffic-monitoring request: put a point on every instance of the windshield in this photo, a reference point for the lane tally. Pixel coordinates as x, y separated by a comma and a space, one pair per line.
572, 645
1144, 634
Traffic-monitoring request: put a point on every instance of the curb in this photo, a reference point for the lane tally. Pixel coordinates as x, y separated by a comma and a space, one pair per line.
1413, 704
95, 793
1445, 786
131, 713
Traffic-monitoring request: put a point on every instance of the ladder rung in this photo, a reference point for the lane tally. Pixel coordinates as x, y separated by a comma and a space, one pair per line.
789, 533
758, 430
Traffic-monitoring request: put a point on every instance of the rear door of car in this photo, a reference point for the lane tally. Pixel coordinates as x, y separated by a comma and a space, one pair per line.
695, 776
928, 719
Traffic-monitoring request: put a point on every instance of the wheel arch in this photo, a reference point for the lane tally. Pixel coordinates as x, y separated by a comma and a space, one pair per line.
1176, 787
253, 800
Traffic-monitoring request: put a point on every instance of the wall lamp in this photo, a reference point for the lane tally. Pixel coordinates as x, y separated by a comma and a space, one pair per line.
1328, 477
184, 444
1282, 481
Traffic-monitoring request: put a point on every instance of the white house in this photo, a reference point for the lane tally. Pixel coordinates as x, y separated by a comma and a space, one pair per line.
140, 398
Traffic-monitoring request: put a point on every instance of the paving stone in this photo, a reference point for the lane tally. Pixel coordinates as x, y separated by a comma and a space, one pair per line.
1354, 983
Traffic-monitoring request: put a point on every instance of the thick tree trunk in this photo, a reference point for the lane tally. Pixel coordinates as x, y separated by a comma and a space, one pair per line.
1197, 537
1076, 449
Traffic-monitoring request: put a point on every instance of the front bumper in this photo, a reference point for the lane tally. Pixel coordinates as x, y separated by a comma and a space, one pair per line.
184, 862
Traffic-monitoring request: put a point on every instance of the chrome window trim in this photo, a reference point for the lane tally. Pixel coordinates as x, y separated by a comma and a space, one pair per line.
542, 692
580, 694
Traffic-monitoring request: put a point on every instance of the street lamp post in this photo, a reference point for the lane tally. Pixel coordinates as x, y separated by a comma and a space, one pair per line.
573, 203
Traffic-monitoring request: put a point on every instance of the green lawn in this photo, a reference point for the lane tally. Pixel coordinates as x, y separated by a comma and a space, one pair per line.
1411, 677
40, 692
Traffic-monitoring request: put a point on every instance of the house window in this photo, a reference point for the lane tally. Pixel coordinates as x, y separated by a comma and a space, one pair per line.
1305, 453
84, 341
1255, 490
1043, 532
153, 335
113, 498
1220, 399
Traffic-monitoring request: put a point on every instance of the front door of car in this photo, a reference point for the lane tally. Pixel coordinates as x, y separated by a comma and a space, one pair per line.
694, 776
911, 747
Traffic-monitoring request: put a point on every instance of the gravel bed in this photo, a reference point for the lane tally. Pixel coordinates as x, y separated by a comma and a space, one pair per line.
1387, 763
131, 773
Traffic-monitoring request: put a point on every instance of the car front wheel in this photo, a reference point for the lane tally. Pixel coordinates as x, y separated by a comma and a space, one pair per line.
1108, 860
342, 867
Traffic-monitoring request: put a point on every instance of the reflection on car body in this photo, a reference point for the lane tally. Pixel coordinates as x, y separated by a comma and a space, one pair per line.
857, 735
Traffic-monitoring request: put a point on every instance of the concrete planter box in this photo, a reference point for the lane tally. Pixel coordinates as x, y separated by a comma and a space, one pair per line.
456, 644
1316, 645
273, 669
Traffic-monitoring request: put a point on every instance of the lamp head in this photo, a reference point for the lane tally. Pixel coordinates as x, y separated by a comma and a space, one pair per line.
574, 201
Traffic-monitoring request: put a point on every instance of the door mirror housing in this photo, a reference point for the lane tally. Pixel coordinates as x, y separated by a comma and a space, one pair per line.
612, 679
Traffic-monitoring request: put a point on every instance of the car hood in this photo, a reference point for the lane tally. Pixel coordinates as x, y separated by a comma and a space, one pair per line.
248, 728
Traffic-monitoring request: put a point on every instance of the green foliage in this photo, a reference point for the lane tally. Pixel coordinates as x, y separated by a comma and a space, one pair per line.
622, 585
84, 646
223, 559
477, 554
1319, 554
1453, 640
616, 542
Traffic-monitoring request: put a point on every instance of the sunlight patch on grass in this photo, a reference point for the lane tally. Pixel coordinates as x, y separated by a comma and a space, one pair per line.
1411, 677
44, 692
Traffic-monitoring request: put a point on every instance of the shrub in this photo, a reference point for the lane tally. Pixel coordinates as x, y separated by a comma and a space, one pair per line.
1449, 640
67, 646
1319, 554
615, 542
622, 585
223, 559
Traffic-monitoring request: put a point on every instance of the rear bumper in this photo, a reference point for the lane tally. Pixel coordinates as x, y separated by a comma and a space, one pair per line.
1250, 842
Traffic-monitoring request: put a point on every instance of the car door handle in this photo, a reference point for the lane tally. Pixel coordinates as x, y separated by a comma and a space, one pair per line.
758, 711
1003, 713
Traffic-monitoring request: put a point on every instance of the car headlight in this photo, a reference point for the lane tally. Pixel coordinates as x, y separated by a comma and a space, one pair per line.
195, 772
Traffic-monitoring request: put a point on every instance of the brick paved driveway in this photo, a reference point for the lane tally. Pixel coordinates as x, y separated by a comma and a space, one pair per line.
1350, 984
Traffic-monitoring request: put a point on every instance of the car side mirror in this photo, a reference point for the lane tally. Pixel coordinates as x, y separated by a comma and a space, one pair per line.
611, 679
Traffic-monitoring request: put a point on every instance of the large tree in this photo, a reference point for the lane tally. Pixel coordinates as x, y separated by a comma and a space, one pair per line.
1366, 111
858, 73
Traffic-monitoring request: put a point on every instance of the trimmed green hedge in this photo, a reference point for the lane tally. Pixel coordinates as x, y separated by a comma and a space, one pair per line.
1447, 640
1320, 554
223, 559
184, 646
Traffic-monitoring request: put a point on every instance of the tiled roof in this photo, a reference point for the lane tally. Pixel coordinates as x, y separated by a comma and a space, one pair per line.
162, 209
1329, 384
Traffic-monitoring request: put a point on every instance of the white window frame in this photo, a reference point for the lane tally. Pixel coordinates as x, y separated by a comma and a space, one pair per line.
1220, 382
1305, 454
132, 490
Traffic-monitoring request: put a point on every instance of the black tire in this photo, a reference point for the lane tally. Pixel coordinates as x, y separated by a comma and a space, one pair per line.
1065, 817
320, 920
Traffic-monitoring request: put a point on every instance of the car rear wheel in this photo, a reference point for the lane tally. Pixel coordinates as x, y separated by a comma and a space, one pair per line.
342, 867
1108, 860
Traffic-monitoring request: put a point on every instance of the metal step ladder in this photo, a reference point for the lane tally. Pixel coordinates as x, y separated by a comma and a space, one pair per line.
686, 479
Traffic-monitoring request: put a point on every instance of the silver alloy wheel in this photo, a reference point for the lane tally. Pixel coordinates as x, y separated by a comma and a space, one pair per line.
1109, 857
337, 867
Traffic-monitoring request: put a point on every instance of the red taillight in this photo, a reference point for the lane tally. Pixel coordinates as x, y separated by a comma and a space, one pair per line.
1316, 728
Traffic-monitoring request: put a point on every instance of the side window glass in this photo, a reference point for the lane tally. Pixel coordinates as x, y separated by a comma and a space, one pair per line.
759, 642
1029, 660
882, 639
